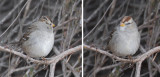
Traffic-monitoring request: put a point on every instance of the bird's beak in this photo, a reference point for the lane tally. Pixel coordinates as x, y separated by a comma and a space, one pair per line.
53, 25
122, 24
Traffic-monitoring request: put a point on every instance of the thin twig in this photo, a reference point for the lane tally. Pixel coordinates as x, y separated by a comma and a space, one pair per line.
15, 19
98, 21
10, 13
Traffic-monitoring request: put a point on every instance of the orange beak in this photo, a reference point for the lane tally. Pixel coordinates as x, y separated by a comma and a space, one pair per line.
53, 25
122, 24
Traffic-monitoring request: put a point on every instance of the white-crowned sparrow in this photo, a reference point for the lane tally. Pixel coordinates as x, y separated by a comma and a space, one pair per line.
39, 38
125, 40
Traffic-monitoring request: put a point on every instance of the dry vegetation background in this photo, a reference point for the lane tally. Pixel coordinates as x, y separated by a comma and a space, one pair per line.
101, 17
16, 15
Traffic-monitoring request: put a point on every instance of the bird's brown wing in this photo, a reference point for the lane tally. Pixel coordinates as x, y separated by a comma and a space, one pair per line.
27, 33
110, 37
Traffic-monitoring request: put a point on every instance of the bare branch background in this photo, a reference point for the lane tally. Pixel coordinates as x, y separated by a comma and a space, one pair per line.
101, 17
17, 15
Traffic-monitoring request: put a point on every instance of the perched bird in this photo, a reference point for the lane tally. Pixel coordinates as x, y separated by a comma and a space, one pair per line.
125, 39
39, 38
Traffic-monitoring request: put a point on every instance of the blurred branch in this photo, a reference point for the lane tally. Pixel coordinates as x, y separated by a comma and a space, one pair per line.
60, 26
10, 13
96, 11
98, 21
150, 21
14, 19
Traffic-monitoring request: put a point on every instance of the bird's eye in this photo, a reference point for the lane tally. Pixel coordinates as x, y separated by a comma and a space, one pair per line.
45, 18
128, 23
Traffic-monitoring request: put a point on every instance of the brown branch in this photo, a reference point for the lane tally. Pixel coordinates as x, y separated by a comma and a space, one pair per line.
105, 53
138, 60
51, 60
65, 53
